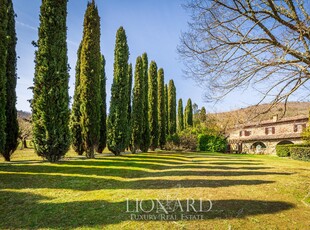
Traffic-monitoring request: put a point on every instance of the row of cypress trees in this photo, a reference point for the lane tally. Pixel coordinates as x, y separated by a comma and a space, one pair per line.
140, 119
8, 113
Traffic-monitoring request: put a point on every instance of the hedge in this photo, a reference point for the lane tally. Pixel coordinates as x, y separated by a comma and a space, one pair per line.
300, 153
283, 150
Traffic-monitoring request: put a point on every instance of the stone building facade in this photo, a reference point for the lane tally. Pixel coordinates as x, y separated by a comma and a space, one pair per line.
263, 137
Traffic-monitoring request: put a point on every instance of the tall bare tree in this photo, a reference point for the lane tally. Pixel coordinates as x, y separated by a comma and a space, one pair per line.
261, 44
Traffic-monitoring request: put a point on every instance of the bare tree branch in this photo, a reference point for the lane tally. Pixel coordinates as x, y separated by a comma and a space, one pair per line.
236, 44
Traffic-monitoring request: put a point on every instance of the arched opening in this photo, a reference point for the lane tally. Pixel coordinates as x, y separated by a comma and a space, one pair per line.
285, 143
258, 147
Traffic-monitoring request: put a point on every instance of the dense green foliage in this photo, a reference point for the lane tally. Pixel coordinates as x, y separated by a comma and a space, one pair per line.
118, 117
161, 108
295, 151
153, 105
75, 118
189, 114
11, 128
137, 106
3, 55
180, 115
203, 115
128, 142
50, 103
283, 150
145, 120
166, 109
90, 74
300, 153
212, 143
103, 110
202, 142
172, 125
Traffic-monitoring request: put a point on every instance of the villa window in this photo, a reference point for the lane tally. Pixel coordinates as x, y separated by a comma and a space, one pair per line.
247, 133
299, 128
270, 130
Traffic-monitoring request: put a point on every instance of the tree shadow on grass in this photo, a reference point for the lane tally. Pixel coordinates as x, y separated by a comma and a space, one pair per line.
130, 172
29, 211
89, 183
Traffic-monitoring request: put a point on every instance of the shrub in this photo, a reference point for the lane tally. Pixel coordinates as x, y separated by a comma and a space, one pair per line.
300, 153
212, 143
173, 142
217, 143
188, 141
202, 142
283, 150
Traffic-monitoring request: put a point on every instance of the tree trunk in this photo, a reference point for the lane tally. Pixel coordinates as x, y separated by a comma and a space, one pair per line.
90, 154
7, 157
25, 143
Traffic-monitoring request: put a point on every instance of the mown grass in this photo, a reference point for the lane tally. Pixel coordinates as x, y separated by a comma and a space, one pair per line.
246, 191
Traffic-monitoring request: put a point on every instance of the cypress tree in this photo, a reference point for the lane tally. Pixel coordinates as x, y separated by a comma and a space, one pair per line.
161, 109
203, 114
90, 74
129, 105
75, 118
3, 58
145, 120
137, 107
153, 105
103, 109
166, 109
172, 108
11, 112
118, 117
185, 117
180, 115
50, 103
189, 113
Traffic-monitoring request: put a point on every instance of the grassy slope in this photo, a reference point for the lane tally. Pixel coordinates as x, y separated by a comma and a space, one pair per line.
247, 191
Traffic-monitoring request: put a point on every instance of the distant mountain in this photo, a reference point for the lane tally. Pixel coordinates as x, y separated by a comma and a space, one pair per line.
260, 113
23, 115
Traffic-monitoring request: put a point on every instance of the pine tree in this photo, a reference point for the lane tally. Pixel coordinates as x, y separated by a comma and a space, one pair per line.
128, 144
11, 112
153, 105
137, 107
145, 121
75, 118
90, 74
166, 109
161, 109
50, 103
189, 113
118, 117
180, 115
3, 58
103, 110
172, 108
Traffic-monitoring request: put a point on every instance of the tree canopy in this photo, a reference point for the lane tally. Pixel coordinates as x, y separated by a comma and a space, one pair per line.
264, 45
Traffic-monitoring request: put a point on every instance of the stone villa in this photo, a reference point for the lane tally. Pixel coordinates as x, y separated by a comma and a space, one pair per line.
262, 137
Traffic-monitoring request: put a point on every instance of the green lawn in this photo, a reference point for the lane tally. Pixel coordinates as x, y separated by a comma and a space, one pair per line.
246, 191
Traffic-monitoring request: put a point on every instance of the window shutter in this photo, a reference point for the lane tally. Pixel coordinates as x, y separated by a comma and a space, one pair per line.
266, 131
295, 128
273, 130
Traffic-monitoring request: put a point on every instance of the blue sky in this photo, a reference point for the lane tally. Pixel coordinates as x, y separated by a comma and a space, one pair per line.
152, 26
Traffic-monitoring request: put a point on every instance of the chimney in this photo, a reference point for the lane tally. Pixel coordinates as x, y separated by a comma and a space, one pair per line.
275, 118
